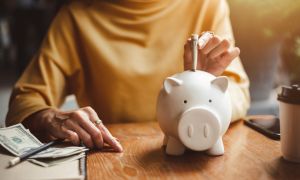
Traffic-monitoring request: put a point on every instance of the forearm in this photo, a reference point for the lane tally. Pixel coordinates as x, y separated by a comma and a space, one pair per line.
38, 88
22, 106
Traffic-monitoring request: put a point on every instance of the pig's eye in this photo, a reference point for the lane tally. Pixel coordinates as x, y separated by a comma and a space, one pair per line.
210, 101
185, 101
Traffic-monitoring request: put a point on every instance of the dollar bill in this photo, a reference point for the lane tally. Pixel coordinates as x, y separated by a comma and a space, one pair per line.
58, 152
51, 162
18, 140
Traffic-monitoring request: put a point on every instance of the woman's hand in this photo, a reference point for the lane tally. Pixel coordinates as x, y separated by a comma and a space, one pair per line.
214, 57
78, 125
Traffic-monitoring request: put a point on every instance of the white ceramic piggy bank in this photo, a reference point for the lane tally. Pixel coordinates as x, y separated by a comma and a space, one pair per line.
194, 111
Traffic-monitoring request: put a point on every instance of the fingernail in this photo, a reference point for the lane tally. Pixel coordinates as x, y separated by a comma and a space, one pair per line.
201, 44
120, 148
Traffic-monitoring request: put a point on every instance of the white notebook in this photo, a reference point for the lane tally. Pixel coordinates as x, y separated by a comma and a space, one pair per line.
26, 170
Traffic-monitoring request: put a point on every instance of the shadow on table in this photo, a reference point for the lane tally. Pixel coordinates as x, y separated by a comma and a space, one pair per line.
191, 162
105, 149
279, 167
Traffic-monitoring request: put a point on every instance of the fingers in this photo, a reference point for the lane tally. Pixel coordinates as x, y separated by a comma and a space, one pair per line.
214, 55
107, 137
222, 47
208, 43
71, 135
83, 119
230, 55
79, 125
223, 61
211, 44
82, 122
84, 136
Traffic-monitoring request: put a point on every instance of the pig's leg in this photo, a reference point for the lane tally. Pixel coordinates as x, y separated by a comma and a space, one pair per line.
174, 147
217, 149
166, 138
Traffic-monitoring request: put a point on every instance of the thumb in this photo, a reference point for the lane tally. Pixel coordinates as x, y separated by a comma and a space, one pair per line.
58, 130
70, 135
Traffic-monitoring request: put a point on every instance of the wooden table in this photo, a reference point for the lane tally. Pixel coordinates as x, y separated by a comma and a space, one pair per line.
248, 155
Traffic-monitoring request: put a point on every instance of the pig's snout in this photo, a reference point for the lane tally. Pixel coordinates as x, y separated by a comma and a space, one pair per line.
199, 128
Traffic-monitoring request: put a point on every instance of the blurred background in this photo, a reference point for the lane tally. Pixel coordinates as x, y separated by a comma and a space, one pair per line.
267, 32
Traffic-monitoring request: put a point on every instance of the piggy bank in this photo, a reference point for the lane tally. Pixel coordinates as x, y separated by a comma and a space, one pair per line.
194, 111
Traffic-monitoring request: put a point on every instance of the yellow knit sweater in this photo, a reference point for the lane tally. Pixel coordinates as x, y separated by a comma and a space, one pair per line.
114, 55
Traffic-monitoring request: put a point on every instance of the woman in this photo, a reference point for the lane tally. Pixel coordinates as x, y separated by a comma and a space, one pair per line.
114, 56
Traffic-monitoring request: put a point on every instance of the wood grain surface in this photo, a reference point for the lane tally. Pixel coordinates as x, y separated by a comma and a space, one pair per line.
248, 155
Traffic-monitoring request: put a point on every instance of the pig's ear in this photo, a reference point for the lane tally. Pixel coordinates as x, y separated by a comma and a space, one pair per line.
170, 83
221, 83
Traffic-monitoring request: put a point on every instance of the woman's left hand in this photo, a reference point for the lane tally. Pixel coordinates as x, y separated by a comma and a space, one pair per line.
213, 57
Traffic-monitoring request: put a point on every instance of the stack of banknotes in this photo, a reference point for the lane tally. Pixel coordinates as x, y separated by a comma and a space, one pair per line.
18, 140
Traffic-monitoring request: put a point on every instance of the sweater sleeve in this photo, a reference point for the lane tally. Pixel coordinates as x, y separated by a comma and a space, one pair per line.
47, 79
238, 79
